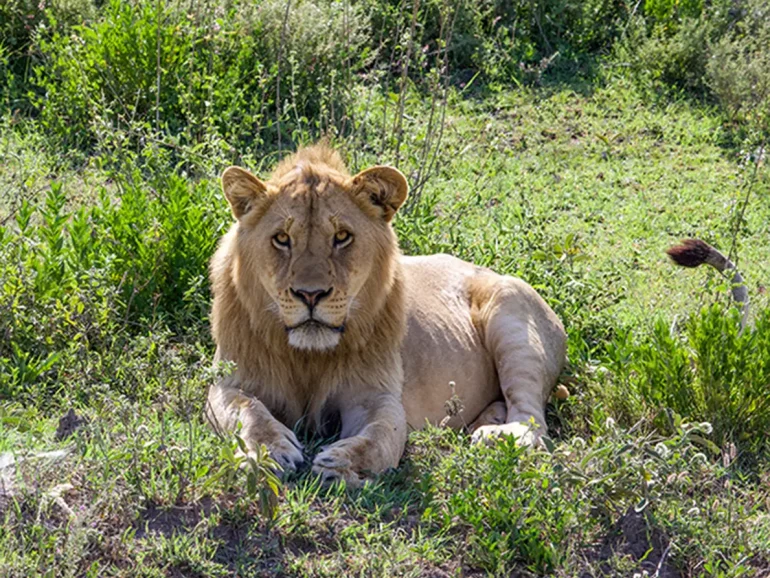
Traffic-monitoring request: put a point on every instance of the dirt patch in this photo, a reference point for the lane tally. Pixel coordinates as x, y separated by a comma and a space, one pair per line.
69, 423
173, 519
638, 541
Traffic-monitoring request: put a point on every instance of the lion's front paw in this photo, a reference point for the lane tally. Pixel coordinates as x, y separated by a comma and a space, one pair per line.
284, 448
333, 463
526, 434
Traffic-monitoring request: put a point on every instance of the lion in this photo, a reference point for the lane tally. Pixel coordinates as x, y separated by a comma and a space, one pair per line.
332, 329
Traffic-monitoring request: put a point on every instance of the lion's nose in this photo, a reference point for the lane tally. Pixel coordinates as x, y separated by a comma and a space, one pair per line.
310, 298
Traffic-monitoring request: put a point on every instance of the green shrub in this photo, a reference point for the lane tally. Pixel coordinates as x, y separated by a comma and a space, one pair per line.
670, 14
22, 24
20, 20
669, 58
73, 282
216, 71
519, 508
711, 373
505, 40
738, 71
715, 50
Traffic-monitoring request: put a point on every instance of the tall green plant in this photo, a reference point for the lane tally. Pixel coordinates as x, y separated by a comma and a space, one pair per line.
712, 372
180, 69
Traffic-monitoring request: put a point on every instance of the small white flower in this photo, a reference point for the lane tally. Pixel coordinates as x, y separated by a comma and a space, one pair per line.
699, 459
706, 427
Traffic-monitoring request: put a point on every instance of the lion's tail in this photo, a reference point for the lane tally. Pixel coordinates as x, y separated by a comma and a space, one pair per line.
694, 252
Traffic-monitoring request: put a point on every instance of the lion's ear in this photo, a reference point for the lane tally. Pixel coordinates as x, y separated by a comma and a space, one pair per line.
384, 187
243, 190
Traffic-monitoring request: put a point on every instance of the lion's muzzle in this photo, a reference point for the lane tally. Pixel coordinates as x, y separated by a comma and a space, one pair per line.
314, 330
310, 297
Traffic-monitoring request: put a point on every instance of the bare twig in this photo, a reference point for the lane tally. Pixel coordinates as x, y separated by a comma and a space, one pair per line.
157, 67
662, 560
278, 80
346, 31
542, 32
425, 170
738, 218
383, 135
630, 16
404, 73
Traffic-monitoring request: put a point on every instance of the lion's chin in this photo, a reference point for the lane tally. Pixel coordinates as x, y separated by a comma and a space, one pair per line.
314, 337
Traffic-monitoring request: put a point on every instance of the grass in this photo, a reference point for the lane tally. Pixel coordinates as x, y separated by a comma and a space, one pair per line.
104, 308
657, 461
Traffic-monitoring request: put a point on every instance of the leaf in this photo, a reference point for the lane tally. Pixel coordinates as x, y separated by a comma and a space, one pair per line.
706, 443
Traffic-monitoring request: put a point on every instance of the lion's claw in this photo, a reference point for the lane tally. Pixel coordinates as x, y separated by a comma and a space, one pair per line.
285, 449
332, 464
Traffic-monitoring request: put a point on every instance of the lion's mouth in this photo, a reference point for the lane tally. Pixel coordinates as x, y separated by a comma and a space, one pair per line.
314, 335
316, 324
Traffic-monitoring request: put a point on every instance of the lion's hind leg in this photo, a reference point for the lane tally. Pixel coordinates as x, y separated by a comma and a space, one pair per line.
528, 344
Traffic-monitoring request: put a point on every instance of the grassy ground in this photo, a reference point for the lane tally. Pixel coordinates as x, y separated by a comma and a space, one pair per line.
577, 191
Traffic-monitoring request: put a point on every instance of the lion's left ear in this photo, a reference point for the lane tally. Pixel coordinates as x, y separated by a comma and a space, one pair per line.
243, 190
384, 187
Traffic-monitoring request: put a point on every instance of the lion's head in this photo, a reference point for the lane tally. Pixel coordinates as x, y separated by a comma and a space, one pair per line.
313, 246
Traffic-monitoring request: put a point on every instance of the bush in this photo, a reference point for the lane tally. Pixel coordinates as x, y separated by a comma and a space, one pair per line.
718, 50
670, 56
189, 72
738, 71
670, 14
519, 508
711, 373
22, 24
78, 282
504, 40
20, 20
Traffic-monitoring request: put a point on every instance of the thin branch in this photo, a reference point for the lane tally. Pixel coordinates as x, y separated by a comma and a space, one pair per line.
422, 175
404, 72
157, 67
662, 560
738, 218
278, 80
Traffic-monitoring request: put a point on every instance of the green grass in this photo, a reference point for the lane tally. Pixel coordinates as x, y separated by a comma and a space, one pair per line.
110, 209
104, 301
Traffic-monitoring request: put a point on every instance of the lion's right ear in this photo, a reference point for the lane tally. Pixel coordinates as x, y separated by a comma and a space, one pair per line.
243, 190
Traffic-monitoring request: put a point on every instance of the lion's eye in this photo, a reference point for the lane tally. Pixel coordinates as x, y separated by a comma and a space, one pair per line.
281, 240
342, 238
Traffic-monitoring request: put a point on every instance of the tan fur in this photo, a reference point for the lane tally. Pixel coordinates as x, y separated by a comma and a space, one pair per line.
387, 333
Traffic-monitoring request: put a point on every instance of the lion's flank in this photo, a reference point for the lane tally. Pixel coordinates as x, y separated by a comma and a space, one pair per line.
690, 253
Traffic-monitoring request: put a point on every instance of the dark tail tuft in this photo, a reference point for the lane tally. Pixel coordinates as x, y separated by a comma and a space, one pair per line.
691, 253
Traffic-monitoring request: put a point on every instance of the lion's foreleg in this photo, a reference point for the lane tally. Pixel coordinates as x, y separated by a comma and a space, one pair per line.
373, 439
228, 405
